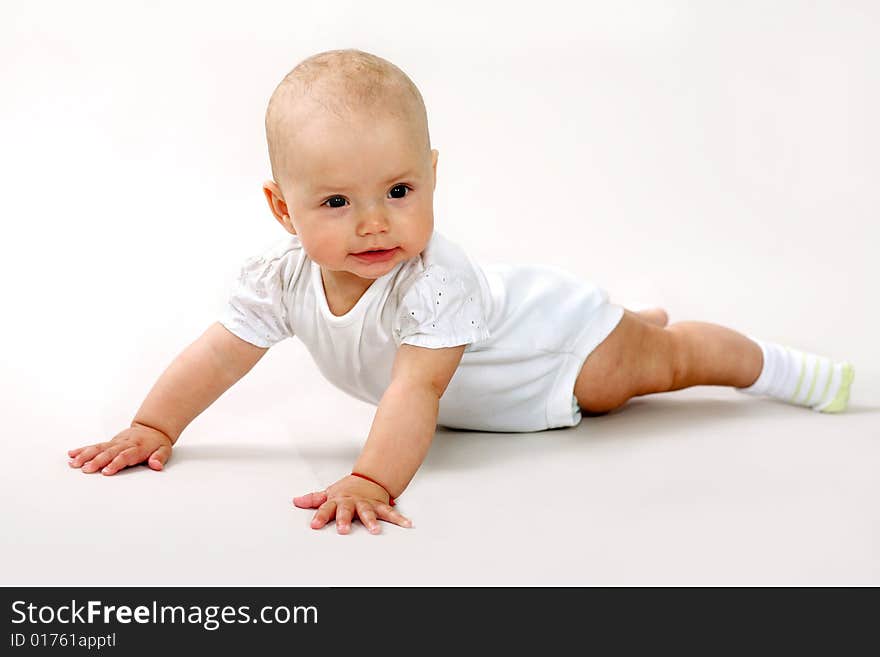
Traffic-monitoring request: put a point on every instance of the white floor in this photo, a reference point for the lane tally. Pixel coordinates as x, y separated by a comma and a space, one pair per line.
701, 486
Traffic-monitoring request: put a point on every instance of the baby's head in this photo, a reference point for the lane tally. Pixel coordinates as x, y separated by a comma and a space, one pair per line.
351, 160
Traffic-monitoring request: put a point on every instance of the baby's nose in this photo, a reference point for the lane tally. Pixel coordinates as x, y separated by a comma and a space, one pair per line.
373, 219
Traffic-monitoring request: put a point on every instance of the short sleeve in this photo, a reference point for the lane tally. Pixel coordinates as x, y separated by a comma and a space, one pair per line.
443, 308
257, 308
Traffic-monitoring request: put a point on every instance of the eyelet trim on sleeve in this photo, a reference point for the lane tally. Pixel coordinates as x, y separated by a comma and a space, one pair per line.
442, 309
256, 310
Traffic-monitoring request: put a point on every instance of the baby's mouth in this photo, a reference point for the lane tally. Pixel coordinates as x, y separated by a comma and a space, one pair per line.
374, 255
374, 251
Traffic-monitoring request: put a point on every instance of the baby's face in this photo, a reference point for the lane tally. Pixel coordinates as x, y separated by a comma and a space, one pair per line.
359, 185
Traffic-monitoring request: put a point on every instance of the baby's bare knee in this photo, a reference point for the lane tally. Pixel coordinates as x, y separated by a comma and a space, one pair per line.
637, 358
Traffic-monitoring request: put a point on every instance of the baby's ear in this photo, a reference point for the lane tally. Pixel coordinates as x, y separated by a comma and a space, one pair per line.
277, 205
434, 154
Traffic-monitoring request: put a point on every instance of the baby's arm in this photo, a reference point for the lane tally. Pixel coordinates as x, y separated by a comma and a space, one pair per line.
400, 436
192, 382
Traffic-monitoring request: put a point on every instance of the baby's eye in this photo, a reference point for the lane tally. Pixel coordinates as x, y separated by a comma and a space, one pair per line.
334, 198
403, 189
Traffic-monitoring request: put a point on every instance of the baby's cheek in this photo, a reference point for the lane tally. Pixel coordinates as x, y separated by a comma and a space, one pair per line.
324, 247
419, 234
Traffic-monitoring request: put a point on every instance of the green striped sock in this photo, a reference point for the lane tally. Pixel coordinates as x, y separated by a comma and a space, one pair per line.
802, 378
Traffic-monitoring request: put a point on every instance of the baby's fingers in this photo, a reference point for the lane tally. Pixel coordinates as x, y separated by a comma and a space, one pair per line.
160, 457
310, 501
368, 516
388, 514
324, 514
344, 514
86, 454
130, 456
102, 459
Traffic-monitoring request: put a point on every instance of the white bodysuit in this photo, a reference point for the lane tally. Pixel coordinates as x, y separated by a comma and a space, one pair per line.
528, 328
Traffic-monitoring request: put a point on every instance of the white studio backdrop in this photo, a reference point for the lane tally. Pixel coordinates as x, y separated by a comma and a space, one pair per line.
718, 159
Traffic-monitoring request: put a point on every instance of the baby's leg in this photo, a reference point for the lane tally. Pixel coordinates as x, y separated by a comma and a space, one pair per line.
641, 357
788, 374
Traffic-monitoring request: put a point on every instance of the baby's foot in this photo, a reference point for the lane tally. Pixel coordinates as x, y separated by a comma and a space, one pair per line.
841, 398
802, 378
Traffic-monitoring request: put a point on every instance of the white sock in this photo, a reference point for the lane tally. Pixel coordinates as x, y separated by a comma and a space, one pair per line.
798, 377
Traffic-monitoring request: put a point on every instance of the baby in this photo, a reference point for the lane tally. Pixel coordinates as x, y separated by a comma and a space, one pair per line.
397, 315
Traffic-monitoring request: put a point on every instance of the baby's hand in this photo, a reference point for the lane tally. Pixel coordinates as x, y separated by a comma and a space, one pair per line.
347, 497
134, 445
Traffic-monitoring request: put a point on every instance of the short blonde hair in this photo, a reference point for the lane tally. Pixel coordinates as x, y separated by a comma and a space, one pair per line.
342, 82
